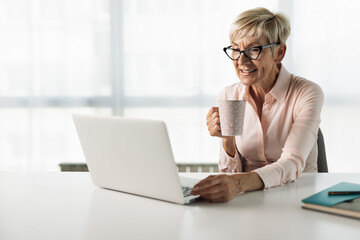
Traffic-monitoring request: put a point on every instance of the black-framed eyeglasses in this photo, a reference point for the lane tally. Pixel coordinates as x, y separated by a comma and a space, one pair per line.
252, 53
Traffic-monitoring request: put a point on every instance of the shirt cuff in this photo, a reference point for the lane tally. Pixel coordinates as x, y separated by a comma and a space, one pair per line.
230, 164
270, 175
275, 175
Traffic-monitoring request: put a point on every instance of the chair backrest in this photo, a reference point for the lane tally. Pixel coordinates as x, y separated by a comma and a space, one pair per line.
321, 161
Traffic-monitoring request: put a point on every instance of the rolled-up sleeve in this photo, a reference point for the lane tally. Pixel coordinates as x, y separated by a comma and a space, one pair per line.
229, 164
300, 140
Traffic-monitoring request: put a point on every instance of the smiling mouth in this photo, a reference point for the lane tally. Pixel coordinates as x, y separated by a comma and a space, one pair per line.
248, 71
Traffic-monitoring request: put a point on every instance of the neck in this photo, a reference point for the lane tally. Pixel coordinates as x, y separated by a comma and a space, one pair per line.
259, 91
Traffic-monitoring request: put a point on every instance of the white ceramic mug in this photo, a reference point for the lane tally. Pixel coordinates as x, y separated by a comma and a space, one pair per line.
231, 116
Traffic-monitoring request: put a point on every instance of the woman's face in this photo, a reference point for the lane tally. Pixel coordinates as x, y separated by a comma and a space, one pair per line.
261, 71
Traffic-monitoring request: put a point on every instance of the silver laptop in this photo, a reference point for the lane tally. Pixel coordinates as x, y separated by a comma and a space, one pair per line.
132, 156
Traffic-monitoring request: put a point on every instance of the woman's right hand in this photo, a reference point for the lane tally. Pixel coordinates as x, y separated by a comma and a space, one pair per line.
213, 122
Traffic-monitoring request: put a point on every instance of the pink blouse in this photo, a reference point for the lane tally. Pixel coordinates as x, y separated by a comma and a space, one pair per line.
283, 144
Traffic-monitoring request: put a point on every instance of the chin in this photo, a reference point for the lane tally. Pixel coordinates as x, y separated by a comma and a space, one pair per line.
247, 82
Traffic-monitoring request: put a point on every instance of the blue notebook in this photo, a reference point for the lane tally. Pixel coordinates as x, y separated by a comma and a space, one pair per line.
346, 205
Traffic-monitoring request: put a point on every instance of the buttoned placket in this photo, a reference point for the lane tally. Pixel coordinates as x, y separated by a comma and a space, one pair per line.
269, 99
261, 140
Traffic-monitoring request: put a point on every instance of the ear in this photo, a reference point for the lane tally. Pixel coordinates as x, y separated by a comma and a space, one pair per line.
280, 53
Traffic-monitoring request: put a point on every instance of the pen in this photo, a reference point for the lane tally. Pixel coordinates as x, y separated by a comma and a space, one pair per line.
343, 192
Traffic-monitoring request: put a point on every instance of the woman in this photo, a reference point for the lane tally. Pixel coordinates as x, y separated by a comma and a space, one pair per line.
282, 113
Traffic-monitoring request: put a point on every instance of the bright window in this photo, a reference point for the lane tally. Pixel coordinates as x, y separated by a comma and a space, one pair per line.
156, 59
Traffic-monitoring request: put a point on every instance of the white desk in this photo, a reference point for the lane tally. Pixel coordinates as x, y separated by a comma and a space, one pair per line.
68, 206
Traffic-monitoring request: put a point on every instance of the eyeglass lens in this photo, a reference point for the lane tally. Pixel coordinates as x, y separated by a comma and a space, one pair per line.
251, 53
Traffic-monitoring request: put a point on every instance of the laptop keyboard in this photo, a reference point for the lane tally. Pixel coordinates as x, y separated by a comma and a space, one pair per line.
186, 190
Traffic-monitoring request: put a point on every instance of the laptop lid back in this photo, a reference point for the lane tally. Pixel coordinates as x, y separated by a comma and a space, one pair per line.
130, 155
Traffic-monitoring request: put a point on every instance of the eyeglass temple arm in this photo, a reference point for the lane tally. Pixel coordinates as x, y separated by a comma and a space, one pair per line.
270, 45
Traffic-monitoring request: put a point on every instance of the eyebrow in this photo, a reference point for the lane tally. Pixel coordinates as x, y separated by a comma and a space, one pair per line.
253, 44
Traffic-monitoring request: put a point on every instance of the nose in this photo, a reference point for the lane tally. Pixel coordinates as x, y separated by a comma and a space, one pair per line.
242, 59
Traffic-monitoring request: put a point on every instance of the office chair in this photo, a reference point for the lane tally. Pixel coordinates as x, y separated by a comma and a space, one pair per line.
321, 161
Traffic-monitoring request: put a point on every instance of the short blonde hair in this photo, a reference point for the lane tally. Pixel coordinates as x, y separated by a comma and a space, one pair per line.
260, 22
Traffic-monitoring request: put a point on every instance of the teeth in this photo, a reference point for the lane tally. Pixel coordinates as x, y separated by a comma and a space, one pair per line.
248, 71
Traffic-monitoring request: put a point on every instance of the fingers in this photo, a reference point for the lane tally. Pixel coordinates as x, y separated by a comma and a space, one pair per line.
211, 111
213, 122
212, 114
204, 184
214, 128
215, 188
216, 197
211, 194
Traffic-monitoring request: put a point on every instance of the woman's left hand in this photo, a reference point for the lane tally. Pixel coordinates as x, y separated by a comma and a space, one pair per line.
223, 188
